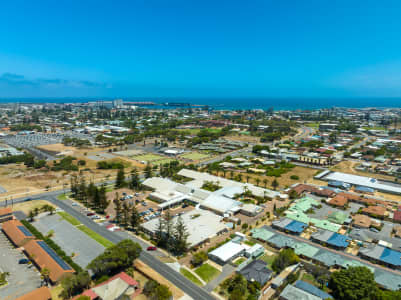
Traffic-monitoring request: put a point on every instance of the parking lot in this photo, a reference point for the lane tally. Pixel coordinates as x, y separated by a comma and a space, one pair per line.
70, 238
23, 277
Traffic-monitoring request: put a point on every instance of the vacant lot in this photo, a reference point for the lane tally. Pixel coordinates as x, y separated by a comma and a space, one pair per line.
195, 156
26, 207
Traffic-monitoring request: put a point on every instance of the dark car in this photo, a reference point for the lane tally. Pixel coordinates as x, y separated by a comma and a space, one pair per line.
90, 214
151, 248
23, 261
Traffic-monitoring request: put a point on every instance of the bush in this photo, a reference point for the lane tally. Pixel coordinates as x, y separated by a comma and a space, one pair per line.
199, 258
294, 177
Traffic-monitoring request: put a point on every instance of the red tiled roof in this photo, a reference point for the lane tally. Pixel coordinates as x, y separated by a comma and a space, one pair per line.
397, 216
42, 293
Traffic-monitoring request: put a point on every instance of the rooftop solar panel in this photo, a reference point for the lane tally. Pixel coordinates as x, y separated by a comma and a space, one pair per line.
53, 255
25, 231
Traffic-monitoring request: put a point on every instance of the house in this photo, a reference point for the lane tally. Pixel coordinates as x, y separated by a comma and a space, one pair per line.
18, 234
397, 216
257, 271
291, 292
361, 221
339, 201
255, 251
42, 293
375, 211
333, 239
311, 289
45, 257
289, 225
119, 287
227, 252
6, 214
382, 255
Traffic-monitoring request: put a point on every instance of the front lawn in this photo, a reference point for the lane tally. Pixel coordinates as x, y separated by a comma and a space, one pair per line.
190, 276
240, 261
207, 272
268, 259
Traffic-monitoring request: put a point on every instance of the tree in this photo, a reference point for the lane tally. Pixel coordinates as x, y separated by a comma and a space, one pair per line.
180, 236
135, 218
353, 283
75, 284
115, 258
247, 178
293, 194
126, 214
265, 182
285, 258
199, 258
156, 291
120, 180
148, 171
257, 181
275, 184
117, 208
45, 274
135, 181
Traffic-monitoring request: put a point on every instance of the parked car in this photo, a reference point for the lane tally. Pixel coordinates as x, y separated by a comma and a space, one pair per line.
90, 214
151, 209
184, 205
23, 261
144, 204
374, 230
151, 248
74, 204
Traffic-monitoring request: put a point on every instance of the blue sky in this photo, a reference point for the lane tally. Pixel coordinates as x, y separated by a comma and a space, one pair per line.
147, 48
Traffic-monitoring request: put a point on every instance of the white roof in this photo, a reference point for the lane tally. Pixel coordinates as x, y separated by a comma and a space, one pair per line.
227, 251
363, 181
200, 228
220, 203
159, 183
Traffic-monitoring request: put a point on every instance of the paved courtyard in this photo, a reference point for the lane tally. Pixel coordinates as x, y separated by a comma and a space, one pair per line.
23, 278
70, 238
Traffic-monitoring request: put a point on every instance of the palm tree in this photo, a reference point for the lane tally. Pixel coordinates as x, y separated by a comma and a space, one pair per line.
240, 177
247, 178
265, 182
257, 181
231, 174
45, 274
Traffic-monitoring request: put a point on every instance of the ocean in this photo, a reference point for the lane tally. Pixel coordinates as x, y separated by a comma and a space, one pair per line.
240, 103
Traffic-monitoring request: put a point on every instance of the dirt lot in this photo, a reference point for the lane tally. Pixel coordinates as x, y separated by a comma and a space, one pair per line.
141, 197
348, 167
242, 138
304, 174
26, 207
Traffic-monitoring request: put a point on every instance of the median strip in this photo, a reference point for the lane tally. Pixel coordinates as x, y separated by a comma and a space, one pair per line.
97, 237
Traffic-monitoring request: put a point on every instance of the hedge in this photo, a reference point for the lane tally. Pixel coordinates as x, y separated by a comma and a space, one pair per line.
52, 245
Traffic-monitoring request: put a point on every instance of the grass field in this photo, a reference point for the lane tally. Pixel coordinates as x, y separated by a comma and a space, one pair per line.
313, 124
163, 161
207, 272
68, 218
149, 157
196, 130
190, 276
195, 156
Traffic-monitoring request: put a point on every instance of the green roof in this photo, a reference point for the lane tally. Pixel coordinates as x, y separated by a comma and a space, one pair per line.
262, 234
324, 224
337, 217
297, 216
355, 263
304, 204
305, 250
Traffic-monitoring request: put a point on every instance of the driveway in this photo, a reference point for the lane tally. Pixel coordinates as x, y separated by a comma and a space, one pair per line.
23, 278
